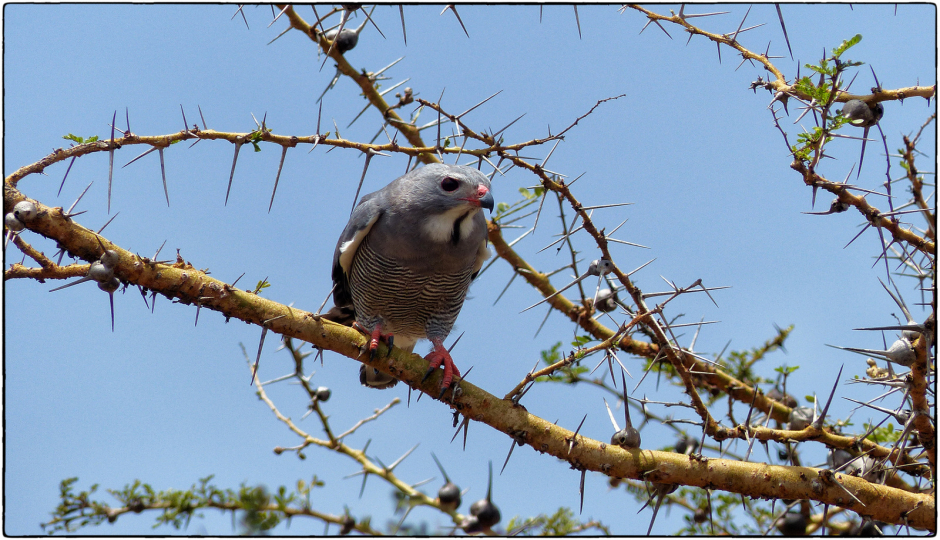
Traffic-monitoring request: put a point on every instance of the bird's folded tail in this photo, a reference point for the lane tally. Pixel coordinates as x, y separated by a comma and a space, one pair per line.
344, 315
373, 378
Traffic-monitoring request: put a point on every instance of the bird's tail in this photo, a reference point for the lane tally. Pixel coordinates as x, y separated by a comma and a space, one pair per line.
344, 315
373, 378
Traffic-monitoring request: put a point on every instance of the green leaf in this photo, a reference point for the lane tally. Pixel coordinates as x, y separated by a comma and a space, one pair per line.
846, 45
550, 356
581, 340
786, 370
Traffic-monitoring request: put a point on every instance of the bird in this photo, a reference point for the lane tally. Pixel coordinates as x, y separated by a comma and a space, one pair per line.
404, 262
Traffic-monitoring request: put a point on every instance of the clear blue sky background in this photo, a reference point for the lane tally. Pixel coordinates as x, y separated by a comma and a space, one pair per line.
167, 403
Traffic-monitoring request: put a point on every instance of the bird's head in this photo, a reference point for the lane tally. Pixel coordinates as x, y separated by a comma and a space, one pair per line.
445, 187
448, 199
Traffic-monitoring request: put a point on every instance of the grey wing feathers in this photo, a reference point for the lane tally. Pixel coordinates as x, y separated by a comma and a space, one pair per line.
367, 212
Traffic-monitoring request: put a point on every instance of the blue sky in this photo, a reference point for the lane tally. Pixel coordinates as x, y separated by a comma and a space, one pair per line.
167, 402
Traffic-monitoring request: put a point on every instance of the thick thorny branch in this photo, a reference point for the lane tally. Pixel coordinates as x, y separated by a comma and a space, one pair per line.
185, 284
779, 83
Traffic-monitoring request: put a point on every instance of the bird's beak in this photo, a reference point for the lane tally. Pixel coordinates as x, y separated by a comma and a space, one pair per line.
485, 198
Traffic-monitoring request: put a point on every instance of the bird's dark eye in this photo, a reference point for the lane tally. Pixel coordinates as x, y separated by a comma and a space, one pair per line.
449, 184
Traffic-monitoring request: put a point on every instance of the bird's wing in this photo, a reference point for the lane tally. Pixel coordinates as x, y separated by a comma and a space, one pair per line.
360, 223
482, 255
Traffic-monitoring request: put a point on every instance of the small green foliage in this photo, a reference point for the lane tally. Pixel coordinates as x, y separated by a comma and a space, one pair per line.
561, 523
254, 138
528, 197
80, 140
883, 435
553, 355
176, 507
846, 45
571, 373
823, 93
255, 520
786, 370
580, 341
530, 194
263, 284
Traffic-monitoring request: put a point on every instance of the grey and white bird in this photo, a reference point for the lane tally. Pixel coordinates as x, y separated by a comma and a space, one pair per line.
405, 260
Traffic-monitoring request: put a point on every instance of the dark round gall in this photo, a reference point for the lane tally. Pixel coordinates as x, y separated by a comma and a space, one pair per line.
486, 512
449, 496
838, 458
100, 272
347, 40
627, 437
347, 527
859, 114
776, 395
686, 445
700, 515
868, 528
792, 524
13, 223
323, 393
110, 258
24, 211
471, 525
111, 285
606, 301
800, 418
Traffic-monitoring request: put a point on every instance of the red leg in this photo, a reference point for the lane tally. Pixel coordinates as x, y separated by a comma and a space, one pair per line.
439, 355
375, 336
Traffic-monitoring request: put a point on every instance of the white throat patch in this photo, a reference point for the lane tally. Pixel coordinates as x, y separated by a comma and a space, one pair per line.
440, 227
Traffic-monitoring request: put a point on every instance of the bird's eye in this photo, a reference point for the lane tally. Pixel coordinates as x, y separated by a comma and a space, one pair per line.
449, 184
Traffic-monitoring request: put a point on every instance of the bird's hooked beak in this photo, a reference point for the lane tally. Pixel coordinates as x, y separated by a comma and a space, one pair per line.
483, 199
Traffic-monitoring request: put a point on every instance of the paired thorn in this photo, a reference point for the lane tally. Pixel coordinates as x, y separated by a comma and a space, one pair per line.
110, 161
453, 8
238, 146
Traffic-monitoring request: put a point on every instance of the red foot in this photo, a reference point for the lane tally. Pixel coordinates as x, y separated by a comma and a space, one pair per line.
436, 357
376, 335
